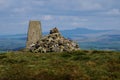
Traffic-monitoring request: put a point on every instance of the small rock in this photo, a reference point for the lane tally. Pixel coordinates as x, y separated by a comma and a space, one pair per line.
54, 30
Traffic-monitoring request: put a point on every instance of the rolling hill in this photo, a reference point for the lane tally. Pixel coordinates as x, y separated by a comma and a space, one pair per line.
87, 38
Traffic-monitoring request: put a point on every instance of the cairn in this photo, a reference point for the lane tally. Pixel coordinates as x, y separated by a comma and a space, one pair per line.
54, 42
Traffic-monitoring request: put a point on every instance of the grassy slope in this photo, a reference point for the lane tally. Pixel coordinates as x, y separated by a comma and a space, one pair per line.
79, 65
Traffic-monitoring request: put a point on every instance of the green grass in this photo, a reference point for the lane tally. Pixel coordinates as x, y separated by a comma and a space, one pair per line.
78, 65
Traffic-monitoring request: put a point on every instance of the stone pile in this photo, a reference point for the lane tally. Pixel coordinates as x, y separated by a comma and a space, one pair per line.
54, 42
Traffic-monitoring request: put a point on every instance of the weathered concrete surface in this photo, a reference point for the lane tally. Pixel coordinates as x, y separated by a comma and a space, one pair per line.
34, 33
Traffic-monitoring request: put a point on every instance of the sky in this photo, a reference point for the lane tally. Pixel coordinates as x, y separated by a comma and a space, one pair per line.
63, 14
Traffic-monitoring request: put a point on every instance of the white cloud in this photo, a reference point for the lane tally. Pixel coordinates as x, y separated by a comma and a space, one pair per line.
89, 5
76, 4
38, 2
47, 17
4, 4
76, 24
72, 18
21, 10
113, 12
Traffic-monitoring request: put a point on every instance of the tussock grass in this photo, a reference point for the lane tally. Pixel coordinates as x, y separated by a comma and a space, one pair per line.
77, 65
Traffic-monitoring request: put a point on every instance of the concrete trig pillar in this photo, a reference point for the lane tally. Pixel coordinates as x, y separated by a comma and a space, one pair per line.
34, 33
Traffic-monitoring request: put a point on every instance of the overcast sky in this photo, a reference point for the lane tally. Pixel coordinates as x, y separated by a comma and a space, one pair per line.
64, 14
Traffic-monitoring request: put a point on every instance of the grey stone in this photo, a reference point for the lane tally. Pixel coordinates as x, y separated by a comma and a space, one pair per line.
34, 33
54, 30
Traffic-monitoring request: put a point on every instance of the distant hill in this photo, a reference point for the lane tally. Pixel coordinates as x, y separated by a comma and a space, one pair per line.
68, 33
103, 42
82, 31
87, 38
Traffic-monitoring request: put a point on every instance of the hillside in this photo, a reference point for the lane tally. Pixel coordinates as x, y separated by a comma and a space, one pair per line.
79, 65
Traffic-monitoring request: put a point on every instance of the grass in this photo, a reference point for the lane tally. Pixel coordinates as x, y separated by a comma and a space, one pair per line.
78, 65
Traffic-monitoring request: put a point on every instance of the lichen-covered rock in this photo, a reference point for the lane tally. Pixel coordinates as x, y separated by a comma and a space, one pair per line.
54, 42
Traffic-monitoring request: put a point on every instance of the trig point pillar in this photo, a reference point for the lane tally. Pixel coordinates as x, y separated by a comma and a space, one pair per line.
34, 33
